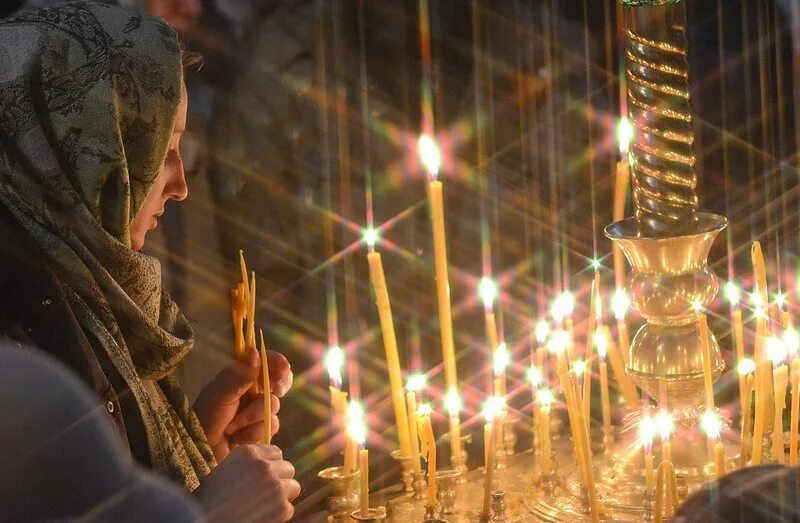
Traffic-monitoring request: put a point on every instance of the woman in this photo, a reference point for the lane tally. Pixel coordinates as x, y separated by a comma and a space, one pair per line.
92, 107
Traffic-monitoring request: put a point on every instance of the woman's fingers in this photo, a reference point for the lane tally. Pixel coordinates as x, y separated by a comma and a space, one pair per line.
280, 373
253, 412
254, 433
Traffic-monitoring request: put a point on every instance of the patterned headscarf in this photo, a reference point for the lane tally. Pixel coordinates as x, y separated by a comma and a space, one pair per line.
88, 99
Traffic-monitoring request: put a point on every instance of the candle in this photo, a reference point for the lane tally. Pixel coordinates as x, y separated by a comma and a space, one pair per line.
356, 434
665, 425
647, 430
620, 304
594, 314
666, 473
711, 425
453, 405
747, 421
428, 450
492, 412
780, 377
545, 400
250, 337
378, 279
534, 375
431, 157
243, 269
621, 182
363, 460
624, 382
411, 399
795, 414
500, 361
705, 344
760, 397
267, 394
238, 312
602, 346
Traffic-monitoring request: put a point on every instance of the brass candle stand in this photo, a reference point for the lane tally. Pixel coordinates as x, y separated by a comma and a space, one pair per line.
344, 496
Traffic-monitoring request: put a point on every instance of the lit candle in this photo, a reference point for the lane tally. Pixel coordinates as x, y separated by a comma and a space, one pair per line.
545, 400
357, 435
378, 279
487, 291
534, 375
363, 460
601, 341
542, 333
267, 388
621, 182
453, 405
501, 361
746, 368
711, 424
762, 381
777, 353
431, 158
594, 315
428, 449
334, 362
620, 304
647, 430
791, 338
705, 344
795, 415
492, 412
666, 425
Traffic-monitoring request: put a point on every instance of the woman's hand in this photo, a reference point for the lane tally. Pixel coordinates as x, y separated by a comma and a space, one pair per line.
253, 484
229, 414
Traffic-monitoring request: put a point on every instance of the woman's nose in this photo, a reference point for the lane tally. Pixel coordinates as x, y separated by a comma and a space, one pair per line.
177, 189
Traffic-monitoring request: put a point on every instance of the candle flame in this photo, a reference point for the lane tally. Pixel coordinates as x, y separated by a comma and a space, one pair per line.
559, 341
697, 306
356, 426
759, 306
601, 342
416, 382
620, 304
625, 133
493, 408
711, 424
746, 366
542, 331
780, 300
596, 265
562, 306
733, 293
545, 397
647, 431
579, 367
791, 338
371, 236
502, 358
776, 350
487, 290
453, 403
430, 155
534, 375
665, 424
425, 409
334, 362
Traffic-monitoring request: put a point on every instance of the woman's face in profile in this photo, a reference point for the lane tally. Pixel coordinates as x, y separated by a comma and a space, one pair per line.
170, 184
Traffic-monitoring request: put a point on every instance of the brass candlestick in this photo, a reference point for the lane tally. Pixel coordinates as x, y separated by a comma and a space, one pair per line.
406, 470
372, 515
446, 481
344, 497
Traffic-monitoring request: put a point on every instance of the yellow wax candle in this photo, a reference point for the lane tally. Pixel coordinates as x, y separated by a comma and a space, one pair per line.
624, 340
738, 343
705, 344
786, 320
590, 342
453, 405
442, 283
349, 450
666, 474
250, 337
760, 396
491, 330
649, 473
666, 450
243, 269
267, 395
780, 376
544, 429
747, 421
795, 414
541, 358
489, 436
621, 181
363, 464
411, 404
624, 382
606, 404
378, 279
430, 457
719, 459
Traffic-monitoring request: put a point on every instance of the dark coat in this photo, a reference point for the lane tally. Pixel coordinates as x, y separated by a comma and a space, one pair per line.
34, 312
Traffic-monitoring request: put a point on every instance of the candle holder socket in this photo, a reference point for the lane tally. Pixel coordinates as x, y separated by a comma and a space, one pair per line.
647, 505
446, 494
460, 462
406, 470
509, 435
499, 507
373, 514
344, 497
419, 485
